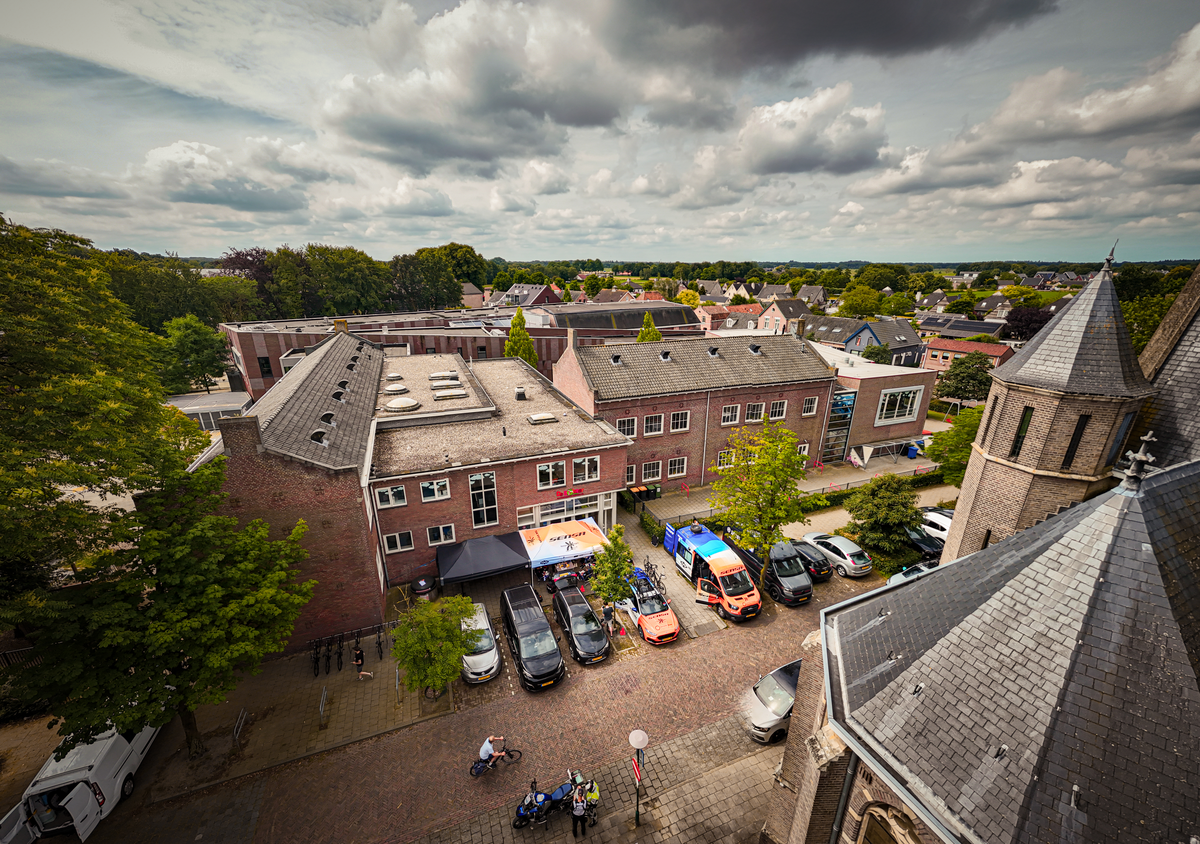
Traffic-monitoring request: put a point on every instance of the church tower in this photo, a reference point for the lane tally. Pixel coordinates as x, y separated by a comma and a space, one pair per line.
1057, 419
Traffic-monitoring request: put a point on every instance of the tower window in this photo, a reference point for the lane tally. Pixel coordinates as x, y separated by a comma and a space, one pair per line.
1073, 446
1122, 432
1022, 430
987, 538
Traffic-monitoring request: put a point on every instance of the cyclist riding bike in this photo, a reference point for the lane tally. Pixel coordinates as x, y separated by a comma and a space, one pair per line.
488, 753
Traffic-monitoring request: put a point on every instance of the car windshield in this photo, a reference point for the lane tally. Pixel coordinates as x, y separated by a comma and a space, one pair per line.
789, 567
914, 534
773, 696
585, 623
860, 558
484, 642
737, 583
652, 604
536, 644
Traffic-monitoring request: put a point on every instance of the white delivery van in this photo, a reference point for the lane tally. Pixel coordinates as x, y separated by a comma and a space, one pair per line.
78, 790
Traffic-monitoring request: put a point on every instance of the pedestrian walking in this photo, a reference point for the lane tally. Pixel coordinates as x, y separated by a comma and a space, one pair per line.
358, 663
579, 811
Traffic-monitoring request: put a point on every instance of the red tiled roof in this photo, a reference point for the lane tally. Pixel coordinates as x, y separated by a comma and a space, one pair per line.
944, 345
755, 308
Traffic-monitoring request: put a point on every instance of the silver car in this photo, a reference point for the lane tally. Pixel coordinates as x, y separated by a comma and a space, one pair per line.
767, 707
847, 559
484, 661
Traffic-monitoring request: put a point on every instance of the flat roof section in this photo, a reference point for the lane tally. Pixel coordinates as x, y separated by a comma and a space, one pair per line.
856, 366
209, 402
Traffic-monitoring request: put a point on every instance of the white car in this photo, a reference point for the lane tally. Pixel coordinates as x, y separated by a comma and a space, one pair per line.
847, 558
484, 662
936, 522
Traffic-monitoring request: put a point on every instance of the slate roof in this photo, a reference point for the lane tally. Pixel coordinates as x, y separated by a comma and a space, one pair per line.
931, 299
291, 410
781, 291
612, 295
620, 315
1065, 657
831, 329
782, 359
1172, 361
469, 289
990, 303
814, 294
897, 333
792, 308
1085, 349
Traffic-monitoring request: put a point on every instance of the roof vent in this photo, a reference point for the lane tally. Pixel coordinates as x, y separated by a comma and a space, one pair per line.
712, 351
755, 349
395, 389
395, 376
343, 384
444, 395
354, 358
542, 419
443, 376
327, 417
665, 354
403, 405
337, 396
520, 394
318, 437
350, 366
615, 360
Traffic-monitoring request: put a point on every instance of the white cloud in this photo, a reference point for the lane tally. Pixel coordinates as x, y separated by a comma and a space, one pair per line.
507, 202
545, 178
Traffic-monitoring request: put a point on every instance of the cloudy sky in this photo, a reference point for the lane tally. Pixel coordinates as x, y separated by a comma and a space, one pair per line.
941, 130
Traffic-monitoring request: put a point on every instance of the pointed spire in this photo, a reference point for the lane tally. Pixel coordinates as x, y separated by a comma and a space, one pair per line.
1084, 350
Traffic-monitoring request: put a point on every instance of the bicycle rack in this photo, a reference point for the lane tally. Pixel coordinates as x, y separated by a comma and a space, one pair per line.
324, 700
237, 728
397, 685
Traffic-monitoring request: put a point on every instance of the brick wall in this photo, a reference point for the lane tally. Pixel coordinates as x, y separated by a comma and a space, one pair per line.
870, 795
569, 379
863, 430
341, 557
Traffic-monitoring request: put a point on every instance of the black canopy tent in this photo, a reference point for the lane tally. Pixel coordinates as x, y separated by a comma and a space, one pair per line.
482, 557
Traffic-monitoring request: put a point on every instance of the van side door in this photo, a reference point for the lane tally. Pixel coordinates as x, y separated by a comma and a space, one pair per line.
15, 827
84, 809
707, 593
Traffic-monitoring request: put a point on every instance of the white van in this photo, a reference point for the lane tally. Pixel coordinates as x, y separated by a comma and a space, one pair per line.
79, 789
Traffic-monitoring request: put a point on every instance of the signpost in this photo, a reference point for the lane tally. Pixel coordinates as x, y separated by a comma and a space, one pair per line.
638, 740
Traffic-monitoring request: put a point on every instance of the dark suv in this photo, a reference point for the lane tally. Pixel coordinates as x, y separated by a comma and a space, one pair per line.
585, 635
532, 642
787, 580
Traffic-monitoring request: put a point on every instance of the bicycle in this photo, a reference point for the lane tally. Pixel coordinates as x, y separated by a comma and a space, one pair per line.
328, 653
379, 640
340, 646
315, 654
508, 755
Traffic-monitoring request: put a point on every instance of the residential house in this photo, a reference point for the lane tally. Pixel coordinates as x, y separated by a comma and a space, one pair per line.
472, 296
770, 292
651, 296
523, 296
940, 352
607, 297
831, 330
754, 309
679, 400
930, 301
784, 315
995, 306
710, 314
813, 295
897, 333
957, 327
709, 287
1059, 305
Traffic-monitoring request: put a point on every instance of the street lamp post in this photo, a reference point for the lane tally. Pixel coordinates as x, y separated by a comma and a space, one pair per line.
638, 740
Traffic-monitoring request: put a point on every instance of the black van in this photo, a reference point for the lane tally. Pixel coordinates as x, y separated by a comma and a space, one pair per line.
585, 635
787, 581
534, 647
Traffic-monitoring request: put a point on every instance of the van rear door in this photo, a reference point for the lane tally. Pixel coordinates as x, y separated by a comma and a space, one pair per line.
15, 827
83, 808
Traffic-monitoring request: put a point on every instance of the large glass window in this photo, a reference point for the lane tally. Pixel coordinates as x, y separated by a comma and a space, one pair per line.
484, 511
730, 414
584, 469
1122, 432
435, 490
264, 367
652, 424
651, 471
778, 410
627, 427
440, 535
1022, 430
898, 406
676, 467
552, 474
391, 497
396, 542
754, 412
1073, 446
680, 420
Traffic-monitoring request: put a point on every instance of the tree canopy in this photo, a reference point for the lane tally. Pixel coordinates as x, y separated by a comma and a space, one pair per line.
649, 334
880, 511
967, 379
952, 448
860, 302
430, 641
689, 297
196, 354
877, 353
614, 563
519, 344
1023, 323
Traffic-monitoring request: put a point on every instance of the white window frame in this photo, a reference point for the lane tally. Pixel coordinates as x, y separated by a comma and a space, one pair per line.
881, 419
386, 497
802, 449
441, 529
550, 467
632, 425
728, 418
774, 417
810, 406
646, 432
724, 458
687, 421
441, 490
591, 470
657, 471
682, 471
630, 474
484, 507
755, 418
395, 538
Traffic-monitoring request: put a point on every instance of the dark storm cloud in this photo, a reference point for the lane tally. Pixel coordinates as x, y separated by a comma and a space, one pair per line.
732, 38
239, 195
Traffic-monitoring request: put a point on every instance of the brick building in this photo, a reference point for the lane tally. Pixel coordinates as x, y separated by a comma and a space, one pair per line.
941, 352
388, 455
678, 400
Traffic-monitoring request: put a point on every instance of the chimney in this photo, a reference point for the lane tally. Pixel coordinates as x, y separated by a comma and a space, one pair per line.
572, 339
340, 326
800, 323
520, 394
240, 435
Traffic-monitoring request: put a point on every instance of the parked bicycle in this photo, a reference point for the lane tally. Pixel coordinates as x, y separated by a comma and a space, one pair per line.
316, 657
508, 755
340, 645
379, 640
328, 653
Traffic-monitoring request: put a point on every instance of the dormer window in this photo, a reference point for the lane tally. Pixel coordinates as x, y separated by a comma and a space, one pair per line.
615, 360
354, 358
318, 437
755, 349
337, 396
665, 354
327, 418
712, 351
350, 366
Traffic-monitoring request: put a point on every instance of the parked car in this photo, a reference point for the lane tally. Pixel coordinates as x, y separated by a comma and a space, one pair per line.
651, 612
484, 661
79, 790
721, 579
767, 706
929, 547
586, 638
913, 572
533, 644
786, 580
937, 521
814, 561
847, 559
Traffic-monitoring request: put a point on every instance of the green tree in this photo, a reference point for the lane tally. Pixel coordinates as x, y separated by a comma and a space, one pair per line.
690, 298
80, 406
964, 305
982, 338
860, 302
952, 448
877, 353
232, 299
156, 290
466, 265
967, 379
1142, 317
880, 512
430, 641
501, 282
757, 488
519, 344
421, 281
172, 620
896, 304
1023, 323
648, 334
591, 286
348, 280
614, 563
739, 299
1021, 296
196, 353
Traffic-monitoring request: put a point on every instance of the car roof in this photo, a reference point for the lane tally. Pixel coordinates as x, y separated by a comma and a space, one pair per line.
572, 597
723, 567
817, 535
844, 543
478, 620
788, 675
936, 516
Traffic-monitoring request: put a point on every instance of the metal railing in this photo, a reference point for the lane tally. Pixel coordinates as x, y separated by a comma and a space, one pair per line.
321, 709
237, 728
18, 659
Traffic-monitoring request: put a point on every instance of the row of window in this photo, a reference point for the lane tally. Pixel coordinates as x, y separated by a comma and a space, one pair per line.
403, 541
677, 466
652, 425
483, 497
583, 470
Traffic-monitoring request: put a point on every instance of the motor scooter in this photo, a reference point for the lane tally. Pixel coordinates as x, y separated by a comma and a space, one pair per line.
538, 806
